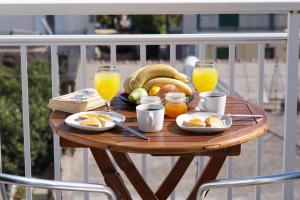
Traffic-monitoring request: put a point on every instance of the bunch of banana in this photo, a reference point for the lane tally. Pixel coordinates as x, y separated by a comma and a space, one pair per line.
157, 74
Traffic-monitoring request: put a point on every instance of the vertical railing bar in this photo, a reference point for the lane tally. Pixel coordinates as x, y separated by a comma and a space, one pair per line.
142, 63
25, 108
202, 51
143, 53
55, 93
113, 61
231, 68
291, 93
200, 160
173, 54
173, 194
231, 92
113, 54
173, 63
261, 59
3, 192
83, 86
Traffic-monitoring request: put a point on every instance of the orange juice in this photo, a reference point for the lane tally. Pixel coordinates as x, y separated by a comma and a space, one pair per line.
205, 78
107, 84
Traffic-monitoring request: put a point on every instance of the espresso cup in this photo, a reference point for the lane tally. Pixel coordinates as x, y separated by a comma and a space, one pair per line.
213, 102
150, 117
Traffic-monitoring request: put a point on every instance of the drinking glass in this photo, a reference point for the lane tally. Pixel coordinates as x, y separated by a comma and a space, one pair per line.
107, 83
205, 76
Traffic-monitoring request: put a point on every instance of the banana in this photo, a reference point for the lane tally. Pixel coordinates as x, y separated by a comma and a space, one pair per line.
133, 77
183, 87
127, 89
157, 70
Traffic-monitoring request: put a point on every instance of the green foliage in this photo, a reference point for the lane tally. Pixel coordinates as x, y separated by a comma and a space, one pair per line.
11, 126
148, 24
107, 20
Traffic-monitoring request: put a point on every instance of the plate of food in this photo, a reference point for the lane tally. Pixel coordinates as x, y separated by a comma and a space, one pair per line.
94, 120
203, 122
155, 80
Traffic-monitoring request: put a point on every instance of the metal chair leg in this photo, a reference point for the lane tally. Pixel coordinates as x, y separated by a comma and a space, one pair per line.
3, 191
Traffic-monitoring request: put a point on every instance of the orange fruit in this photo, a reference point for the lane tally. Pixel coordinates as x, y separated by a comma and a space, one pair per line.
154, 91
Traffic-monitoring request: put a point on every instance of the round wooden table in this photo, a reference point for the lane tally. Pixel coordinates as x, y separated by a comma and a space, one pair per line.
171, 141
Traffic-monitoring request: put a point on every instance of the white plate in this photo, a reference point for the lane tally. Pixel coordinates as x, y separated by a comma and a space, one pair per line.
74, 120
202, 115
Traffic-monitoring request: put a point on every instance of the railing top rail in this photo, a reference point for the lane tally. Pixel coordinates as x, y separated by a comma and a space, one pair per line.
147, 39
104, 7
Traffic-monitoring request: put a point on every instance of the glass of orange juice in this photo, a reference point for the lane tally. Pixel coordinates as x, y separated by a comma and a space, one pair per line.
205, 76
107, 83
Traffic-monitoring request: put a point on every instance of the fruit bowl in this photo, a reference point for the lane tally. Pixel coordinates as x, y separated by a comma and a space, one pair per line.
124, 98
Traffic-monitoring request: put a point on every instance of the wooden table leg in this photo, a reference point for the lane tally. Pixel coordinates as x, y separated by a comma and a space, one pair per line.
174, 177
126, 164
111, 176
210, 172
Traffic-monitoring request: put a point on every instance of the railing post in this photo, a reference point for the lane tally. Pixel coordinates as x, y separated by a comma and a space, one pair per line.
173, 63
55, 93
85, 151
231, 92
26, 126
3, 193
200, 159
291, 93
143, 61
261, 59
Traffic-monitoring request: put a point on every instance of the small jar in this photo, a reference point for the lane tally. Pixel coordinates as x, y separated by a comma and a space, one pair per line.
150, 100
175, 104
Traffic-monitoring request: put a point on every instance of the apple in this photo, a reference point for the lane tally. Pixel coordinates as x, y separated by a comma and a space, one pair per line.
166, 89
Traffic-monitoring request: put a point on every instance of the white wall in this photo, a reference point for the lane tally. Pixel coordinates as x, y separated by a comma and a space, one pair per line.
7, 23
209, 21
254, 21
76, 24
280, 20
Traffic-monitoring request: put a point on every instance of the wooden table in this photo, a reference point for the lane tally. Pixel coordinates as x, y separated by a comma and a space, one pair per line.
171, 141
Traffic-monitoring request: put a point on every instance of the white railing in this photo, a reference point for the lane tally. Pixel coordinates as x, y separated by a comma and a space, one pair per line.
201, 40
116, 7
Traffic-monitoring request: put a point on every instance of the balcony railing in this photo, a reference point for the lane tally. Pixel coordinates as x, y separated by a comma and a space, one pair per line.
291, 38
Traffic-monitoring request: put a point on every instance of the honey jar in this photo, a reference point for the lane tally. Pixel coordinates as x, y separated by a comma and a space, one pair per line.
175, 104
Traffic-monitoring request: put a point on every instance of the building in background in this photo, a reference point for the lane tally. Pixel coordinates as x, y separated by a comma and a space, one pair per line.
237, 23
36, 24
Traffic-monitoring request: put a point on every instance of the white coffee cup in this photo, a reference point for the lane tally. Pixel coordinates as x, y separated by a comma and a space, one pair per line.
213, 102
150, 117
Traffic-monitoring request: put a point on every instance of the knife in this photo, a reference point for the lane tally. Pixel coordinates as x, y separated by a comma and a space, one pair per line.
135, 132
242, 115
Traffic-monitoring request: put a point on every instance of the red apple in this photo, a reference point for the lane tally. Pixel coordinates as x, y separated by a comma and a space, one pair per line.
166, 89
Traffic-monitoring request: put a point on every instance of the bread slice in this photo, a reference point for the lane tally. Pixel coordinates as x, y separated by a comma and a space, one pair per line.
94, 122
87, 116
195, 122
214, 122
